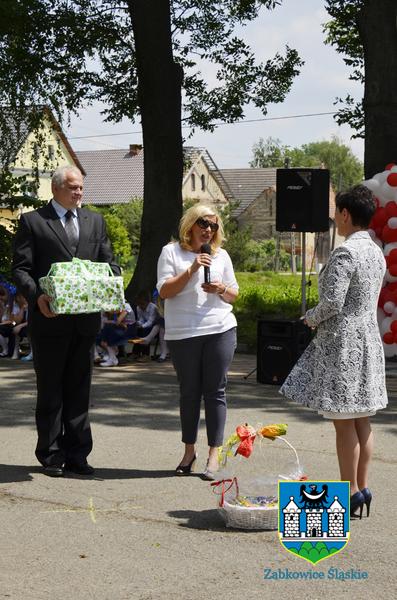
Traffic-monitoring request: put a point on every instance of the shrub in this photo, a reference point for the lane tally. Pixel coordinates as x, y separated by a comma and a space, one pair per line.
268, 295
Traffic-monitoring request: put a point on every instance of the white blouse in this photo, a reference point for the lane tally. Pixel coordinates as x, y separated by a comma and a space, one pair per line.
193, 312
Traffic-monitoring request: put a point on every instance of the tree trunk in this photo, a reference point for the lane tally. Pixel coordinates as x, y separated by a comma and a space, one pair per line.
377, 24
159, 88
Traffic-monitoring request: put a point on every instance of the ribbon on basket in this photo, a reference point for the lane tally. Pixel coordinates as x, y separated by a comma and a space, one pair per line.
245, 436
224, 489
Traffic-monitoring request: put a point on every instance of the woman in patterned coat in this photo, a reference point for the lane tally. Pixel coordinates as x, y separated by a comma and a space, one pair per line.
342, 372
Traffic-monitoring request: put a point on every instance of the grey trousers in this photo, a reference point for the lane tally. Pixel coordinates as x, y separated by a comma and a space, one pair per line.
201, 364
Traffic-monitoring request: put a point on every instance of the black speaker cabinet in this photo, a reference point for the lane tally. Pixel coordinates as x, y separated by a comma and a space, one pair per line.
280, 344
302, 200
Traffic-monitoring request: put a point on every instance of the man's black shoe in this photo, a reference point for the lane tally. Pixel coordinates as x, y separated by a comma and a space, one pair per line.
79, 468
53, 471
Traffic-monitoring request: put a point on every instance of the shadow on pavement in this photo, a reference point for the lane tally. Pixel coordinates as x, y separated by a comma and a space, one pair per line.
203, 519
14, 473
106, 473
146, 397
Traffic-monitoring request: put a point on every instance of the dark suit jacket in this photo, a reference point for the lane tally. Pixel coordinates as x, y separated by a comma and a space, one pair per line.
40, 241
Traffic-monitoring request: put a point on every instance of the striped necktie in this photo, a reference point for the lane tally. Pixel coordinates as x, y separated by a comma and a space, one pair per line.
71, 231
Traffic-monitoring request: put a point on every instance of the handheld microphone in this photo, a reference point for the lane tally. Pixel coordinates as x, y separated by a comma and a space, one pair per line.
206, 249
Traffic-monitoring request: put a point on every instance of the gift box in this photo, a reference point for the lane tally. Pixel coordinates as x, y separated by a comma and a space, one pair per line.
81, 286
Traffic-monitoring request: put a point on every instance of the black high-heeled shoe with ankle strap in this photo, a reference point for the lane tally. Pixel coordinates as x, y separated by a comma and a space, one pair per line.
186, 469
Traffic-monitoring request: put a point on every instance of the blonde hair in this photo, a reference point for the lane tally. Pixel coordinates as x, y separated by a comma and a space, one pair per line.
188, 220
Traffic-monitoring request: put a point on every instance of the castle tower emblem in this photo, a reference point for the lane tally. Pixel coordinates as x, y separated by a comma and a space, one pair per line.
310, 525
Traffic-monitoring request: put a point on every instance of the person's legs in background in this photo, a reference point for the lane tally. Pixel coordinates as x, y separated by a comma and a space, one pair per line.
163, 346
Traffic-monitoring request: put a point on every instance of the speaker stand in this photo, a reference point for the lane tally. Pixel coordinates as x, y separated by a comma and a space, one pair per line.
303, 286
250, 373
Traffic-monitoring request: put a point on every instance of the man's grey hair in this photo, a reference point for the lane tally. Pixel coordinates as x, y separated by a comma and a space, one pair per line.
59, 175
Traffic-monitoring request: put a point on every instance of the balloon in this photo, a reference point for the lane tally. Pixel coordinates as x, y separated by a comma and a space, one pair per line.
389, 235
393, 327
387, 191
392, 179
393, 270
391, 208
381, 177
389, 247
390, 350
392, 256
372, 184
390, 278
389, 307
380, 315
381, 216
392, 222
390, 166
385, 325
388, 338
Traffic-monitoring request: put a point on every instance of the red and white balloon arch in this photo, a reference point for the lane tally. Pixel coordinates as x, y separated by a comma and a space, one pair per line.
383, 230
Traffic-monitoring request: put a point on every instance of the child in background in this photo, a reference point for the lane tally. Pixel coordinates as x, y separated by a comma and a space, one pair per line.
158, 329
147, 316
116, 331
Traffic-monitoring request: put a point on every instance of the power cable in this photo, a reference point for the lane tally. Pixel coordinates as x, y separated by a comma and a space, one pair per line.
86, 137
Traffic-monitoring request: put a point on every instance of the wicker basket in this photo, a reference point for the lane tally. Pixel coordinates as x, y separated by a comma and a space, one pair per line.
242, 517
253, 515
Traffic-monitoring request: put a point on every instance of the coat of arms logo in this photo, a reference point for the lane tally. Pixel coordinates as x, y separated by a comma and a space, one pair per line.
314, 518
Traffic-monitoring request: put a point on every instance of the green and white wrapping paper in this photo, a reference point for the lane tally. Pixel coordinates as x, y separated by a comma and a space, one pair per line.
82, 286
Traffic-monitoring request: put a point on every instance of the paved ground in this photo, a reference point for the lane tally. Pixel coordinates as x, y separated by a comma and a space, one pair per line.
137, 532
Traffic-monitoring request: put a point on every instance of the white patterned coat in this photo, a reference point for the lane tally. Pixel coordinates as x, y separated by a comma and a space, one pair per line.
343, 369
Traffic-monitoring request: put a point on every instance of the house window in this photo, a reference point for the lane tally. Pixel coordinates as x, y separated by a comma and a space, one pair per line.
51, 152
193, 181
202, 183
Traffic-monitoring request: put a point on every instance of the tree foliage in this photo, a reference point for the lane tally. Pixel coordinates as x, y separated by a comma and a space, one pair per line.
120, 220
67, 53
345, 168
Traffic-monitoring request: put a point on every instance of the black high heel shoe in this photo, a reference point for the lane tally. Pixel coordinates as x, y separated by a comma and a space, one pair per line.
366, 492
186, 469
356, 502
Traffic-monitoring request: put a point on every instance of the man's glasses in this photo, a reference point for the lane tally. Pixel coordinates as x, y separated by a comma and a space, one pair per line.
204, 224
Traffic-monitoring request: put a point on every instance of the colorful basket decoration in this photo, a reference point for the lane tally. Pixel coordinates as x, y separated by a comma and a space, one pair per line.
239, 508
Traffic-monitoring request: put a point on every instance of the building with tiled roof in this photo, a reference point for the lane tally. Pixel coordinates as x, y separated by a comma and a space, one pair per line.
113, 176
27, 144
247, 184
117, 176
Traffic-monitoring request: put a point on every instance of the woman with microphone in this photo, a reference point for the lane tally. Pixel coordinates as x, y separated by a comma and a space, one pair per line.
197, 282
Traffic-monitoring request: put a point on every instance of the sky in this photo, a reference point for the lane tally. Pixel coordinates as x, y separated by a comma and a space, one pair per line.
323, 77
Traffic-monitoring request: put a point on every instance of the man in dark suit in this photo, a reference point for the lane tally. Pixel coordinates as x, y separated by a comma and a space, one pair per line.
62, 344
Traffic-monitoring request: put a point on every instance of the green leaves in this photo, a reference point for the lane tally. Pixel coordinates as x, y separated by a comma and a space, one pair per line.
66, 53
345, 168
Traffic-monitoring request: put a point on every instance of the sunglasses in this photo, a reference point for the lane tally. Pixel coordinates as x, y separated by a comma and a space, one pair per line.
204, 224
